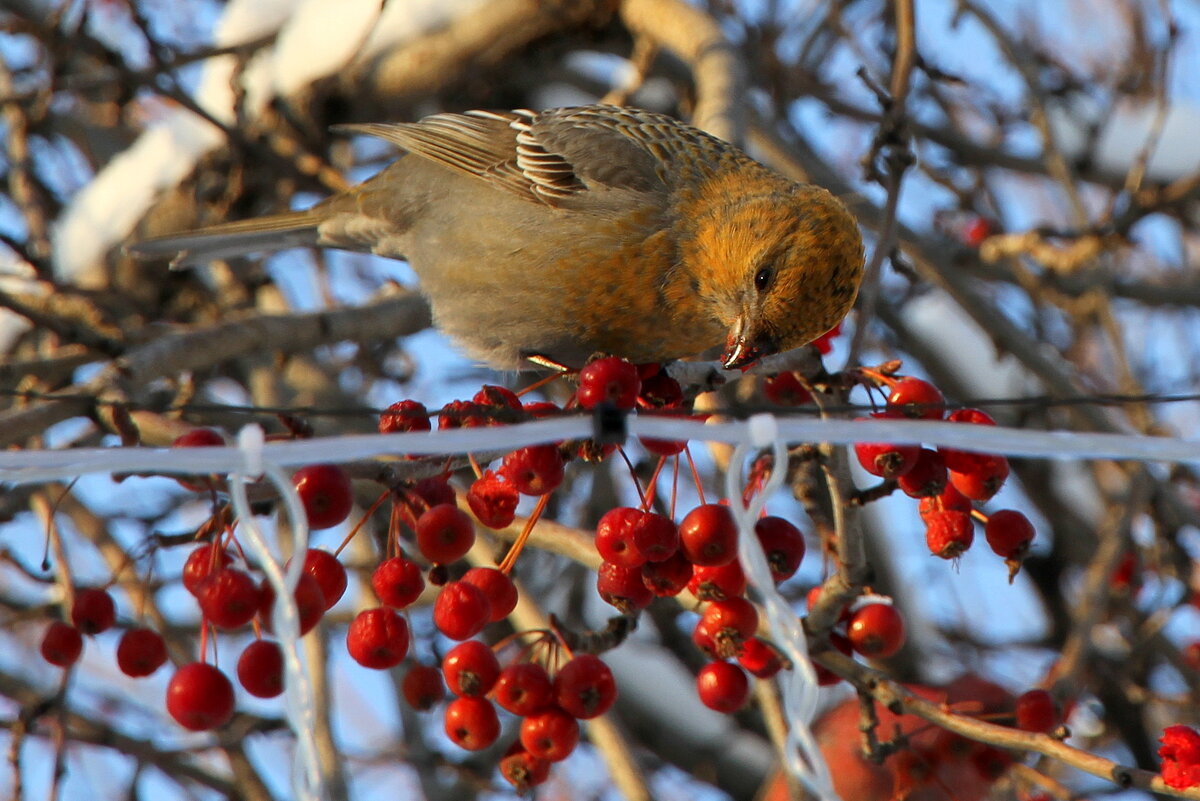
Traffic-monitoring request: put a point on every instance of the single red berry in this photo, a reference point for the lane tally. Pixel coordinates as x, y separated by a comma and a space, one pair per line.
329, 573
717, 583
434, 491
397, 582
310, 603
493, 500
1180, 752
708, 535
522, 769
614, 537
760, 658
1036, 711
967, 461
622, 587
883, 459
949, 534
912, 397
524, 688
200, 697
497, 586
786, 389
93, 610
723, 686
378, 638
444, 533
551, 734
610, 380
984, 480
229, 598
472, 723
500, 397
535, 470
422, 687
201, 563
656, 536
976, 230
541, 409
325, 492
461, 610
462, 414
927, 478
61, 644
876, 630
663, 447
667, 578
405, 415
140, 652
1009, 533
198, 438
783, 545
660, 391
260, 669
584, 687
724, 626
950, 500
470, 668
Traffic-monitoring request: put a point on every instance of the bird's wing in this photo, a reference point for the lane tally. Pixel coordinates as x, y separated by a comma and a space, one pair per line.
550, 156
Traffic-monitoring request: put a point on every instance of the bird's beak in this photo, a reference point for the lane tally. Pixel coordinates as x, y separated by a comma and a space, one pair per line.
745, 346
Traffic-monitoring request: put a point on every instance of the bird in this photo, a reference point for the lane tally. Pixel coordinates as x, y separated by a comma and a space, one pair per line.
548, 237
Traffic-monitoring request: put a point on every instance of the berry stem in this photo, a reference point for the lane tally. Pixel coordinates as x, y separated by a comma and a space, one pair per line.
695, 477
637, 484
510, 558
652, 484
366, 516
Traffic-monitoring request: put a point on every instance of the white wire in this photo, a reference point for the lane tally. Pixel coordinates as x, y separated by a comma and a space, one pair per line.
801, 757
307, 781
26, 466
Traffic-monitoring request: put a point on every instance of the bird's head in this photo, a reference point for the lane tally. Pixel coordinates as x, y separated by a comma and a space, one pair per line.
777, 269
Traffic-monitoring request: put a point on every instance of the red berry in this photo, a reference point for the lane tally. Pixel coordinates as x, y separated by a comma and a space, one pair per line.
493, 500
325, 492
824, 343
377, 638
786, 389
584, 687
975, 231
461, 610
984, 480
724, 626
1191, 655
140, 652
876, 630
498, 587
201, 563
614, 537
523, 770
470, 668
260, 669
622, 587
723, 686
200, 697
310, 603
949, 534
472, 723
535, 470
405, 415
927, 478
708, 535
717, 583
656, 536
915, 398
229, 598
329, 574
61, 644
610, 380
883, 459
760, 658
1036, 711
541, 409
444, 533
783, 545
950, 500
198, 438
422, 687
93, 610
1009, 533
551, 734
462, 414
435, 491
667, 578
524, 688
500, 397
983, 467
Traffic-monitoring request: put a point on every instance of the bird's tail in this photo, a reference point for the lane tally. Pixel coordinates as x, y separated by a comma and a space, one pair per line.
279, 231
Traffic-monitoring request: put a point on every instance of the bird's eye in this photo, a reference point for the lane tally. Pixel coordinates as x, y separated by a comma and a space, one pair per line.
762, 279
